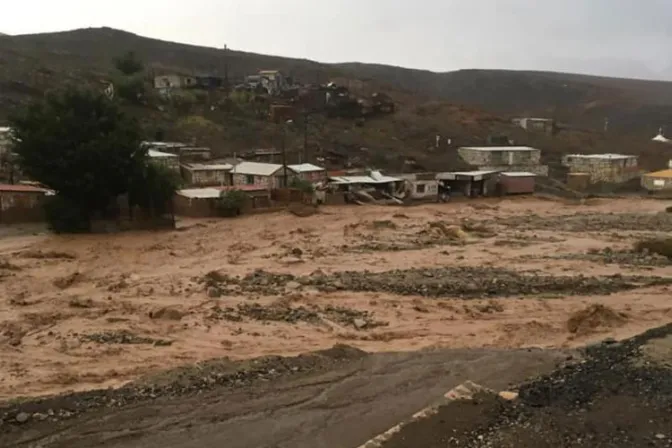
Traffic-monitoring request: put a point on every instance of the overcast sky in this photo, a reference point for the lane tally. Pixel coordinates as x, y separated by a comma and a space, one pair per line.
608, 37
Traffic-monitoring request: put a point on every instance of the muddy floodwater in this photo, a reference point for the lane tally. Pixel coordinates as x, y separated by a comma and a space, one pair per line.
98, 311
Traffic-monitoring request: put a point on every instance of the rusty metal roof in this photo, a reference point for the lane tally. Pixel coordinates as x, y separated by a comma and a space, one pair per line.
18, 188
663, 173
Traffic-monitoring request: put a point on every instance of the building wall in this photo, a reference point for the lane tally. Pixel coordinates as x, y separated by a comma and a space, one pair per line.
314, 176
424, 189
21, 207
204, 178
193, 207
172, 163
478, 158
653, 183
604, 170
539, 170
245, 179
517, 185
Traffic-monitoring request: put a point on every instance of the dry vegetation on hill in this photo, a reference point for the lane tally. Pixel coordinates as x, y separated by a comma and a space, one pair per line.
450, 104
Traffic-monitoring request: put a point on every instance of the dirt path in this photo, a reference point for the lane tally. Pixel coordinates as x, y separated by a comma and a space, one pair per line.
335, 408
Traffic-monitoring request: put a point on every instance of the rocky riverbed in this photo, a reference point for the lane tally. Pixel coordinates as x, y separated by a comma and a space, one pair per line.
465, 282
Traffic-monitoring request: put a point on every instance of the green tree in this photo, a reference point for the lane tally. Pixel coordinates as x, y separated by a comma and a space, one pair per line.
152, 187
80, 144
129, 64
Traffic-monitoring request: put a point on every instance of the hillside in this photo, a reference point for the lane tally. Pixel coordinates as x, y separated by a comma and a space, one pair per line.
466, 106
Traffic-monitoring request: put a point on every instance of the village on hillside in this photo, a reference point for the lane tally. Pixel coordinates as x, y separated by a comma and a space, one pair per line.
266, 176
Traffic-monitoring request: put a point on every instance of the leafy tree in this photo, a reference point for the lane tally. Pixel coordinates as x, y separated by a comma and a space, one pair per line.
80, 144
129, 64
231, 202
131, 88
152, 187
303, 185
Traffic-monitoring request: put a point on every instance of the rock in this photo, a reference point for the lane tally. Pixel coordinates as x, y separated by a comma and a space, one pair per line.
293, 286
214, 293
508, 395
660, 436
22, 417
167, 313
360, 323
296, 252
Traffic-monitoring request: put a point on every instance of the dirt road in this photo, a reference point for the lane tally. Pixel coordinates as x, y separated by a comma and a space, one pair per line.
618, 397
341, 406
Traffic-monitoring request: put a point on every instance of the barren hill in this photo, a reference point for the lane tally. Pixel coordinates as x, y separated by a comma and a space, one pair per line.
466, 106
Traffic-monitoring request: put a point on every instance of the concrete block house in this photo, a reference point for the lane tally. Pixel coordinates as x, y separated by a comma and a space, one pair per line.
603, 168
504, 158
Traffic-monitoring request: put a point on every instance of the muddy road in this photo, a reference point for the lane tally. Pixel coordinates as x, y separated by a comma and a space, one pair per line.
618, 397
344, 398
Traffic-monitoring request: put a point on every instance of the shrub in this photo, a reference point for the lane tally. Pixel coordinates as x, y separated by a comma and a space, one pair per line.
65, 216
302, 185
231, 202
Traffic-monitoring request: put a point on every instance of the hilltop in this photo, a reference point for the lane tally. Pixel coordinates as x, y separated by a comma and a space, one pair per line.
466, 106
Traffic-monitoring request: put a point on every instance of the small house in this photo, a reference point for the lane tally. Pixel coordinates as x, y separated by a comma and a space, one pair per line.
545, 125
469, 183
604, 168
267, 155
309, 172
165, 159
202, 174
268, 175
174, 81
658, 180
374, 180
22, 203
517, 182
504, 158
420, 185
203, 202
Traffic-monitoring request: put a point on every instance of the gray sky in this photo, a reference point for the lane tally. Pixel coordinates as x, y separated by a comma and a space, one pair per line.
609, 37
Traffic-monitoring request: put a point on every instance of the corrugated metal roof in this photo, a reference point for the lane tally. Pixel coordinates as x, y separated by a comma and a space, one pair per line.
200, 193
18, 188
208, 166
601, 156
518, 174
257, 168
305, 168
500, 148
342, 180
242, 188
159, 154
451, 176
663, 173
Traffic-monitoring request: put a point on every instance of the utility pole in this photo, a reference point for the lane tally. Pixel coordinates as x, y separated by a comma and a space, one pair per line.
284, 154
305, 136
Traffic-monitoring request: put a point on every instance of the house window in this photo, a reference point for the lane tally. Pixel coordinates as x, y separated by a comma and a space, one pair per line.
249, 179
420, 188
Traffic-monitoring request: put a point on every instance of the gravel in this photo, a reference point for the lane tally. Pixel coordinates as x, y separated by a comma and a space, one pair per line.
185, 381
465, 282
614, 398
